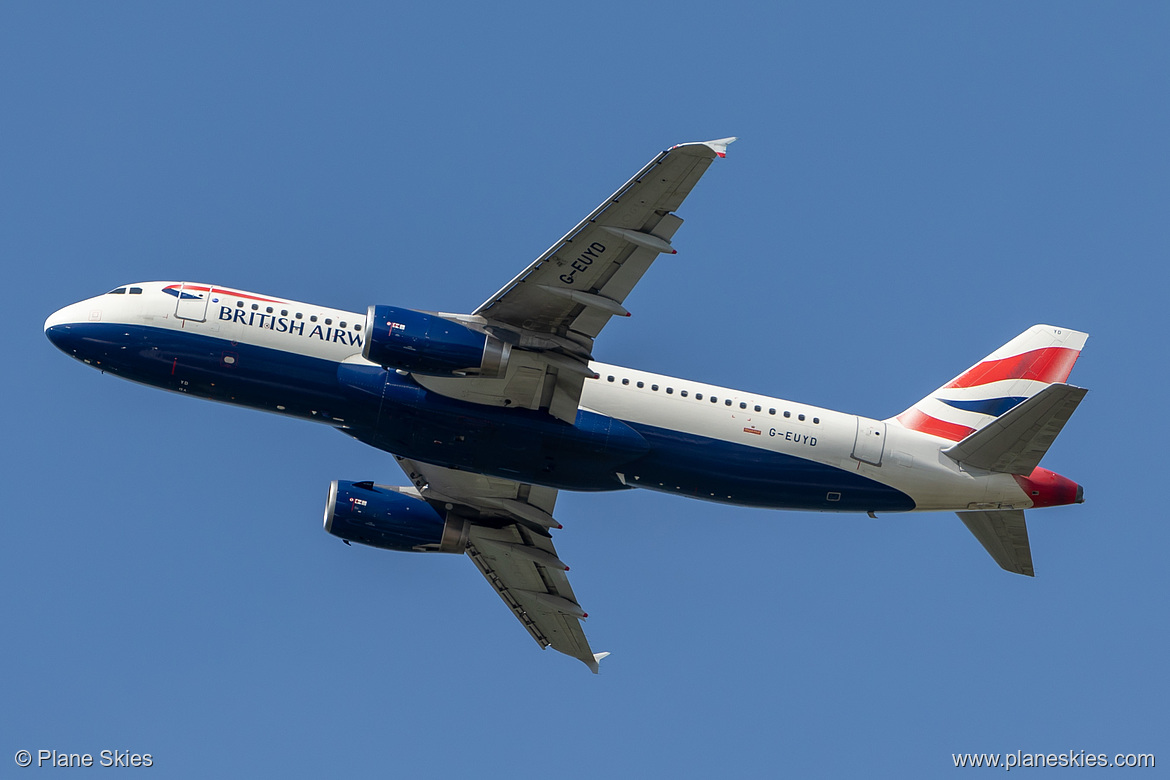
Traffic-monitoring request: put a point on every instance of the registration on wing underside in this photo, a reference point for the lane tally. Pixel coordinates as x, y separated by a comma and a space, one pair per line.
606, 253
551, 312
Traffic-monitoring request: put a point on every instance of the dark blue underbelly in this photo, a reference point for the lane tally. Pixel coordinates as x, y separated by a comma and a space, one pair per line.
393, 413
716, 470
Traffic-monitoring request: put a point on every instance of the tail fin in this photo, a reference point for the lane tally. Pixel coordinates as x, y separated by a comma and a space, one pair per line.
1040, 356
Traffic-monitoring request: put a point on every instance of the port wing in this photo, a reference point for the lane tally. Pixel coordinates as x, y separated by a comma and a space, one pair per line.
511, 544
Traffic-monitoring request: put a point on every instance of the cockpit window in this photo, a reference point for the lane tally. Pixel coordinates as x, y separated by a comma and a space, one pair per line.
136, 291
119, 291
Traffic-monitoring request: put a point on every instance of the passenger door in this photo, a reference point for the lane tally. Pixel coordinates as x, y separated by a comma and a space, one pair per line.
870, 441
192, 302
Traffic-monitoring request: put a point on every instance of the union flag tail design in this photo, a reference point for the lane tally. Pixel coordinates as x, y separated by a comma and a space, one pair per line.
1040, 356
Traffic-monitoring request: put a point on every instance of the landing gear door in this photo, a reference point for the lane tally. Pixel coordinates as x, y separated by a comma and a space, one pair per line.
192, 302
870, 441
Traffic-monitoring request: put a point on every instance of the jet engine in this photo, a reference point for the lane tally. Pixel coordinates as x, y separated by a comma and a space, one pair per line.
390, 518
430, 344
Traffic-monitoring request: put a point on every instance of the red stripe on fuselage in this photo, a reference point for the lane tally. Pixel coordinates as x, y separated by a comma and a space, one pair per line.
225, 291
1051, 364
924, 423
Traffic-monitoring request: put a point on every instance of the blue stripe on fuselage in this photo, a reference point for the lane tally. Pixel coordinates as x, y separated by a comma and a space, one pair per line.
392, 412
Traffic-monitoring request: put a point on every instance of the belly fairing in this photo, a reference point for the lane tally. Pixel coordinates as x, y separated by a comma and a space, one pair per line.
520, 444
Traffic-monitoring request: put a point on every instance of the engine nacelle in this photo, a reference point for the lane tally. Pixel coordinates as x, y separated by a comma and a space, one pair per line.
429, 344
385, 517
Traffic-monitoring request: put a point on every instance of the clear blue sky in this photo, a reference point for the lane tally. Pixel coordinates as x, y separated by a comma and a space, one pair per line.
915, 184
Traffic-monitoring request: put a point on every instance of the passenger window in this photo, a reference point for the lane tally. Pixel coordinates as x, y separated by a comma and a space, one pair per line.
698, 396
742, 405
239, 304
625, 381
788, 414
669, 390
298, 316
714, 400
758, 409
284, 312
342, 324
727, 402
609, 378
328, 321
311, 319
654, 388
800, 417
683, 393
771, 411
136, 291
255, 307
359, 327
816, 421
641, 384
268, 310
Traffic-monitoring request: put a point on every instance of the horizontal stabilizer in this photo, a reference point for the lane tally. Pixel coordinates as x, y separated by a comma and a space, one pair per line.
1004, 535
1015, 442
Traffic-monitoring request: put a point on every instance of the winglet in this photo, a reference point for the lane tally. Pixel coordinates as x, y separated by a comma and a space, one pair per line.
595, 666
719, 145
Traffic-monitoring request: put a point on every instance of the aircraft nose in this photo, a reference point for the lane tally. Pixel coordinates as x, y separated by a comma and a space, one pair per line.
54, 319
59, 326
58, 335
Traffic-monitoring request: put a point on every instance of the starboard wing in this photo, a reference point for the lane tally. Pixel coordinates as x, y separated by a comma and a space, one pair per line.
556, 307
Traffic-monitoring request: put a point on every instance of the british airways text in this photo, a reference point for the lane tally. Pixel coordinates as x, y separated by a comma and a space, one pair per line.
286, 325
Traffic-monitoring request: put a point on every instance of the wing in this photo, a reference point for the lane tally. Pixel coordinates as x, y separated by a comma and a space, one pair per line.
581, 281
509, 542
554, 309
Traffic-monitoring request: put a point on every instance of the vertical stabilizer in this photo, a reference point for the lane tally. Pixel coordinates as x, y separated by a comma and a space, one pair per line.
1040, 356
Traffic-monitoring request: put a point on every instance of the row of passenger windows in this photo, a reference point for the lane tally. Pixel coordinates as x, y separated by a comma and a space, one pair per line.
714, 399
240, 305
298, 315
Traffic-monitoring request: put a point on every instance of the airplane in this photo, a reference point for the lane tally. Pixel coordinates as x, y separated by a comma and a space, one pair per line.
491, 413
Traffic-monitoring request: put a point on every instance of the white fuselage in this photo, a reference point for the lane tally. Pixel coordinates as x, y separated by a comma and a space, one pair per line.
882, 451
